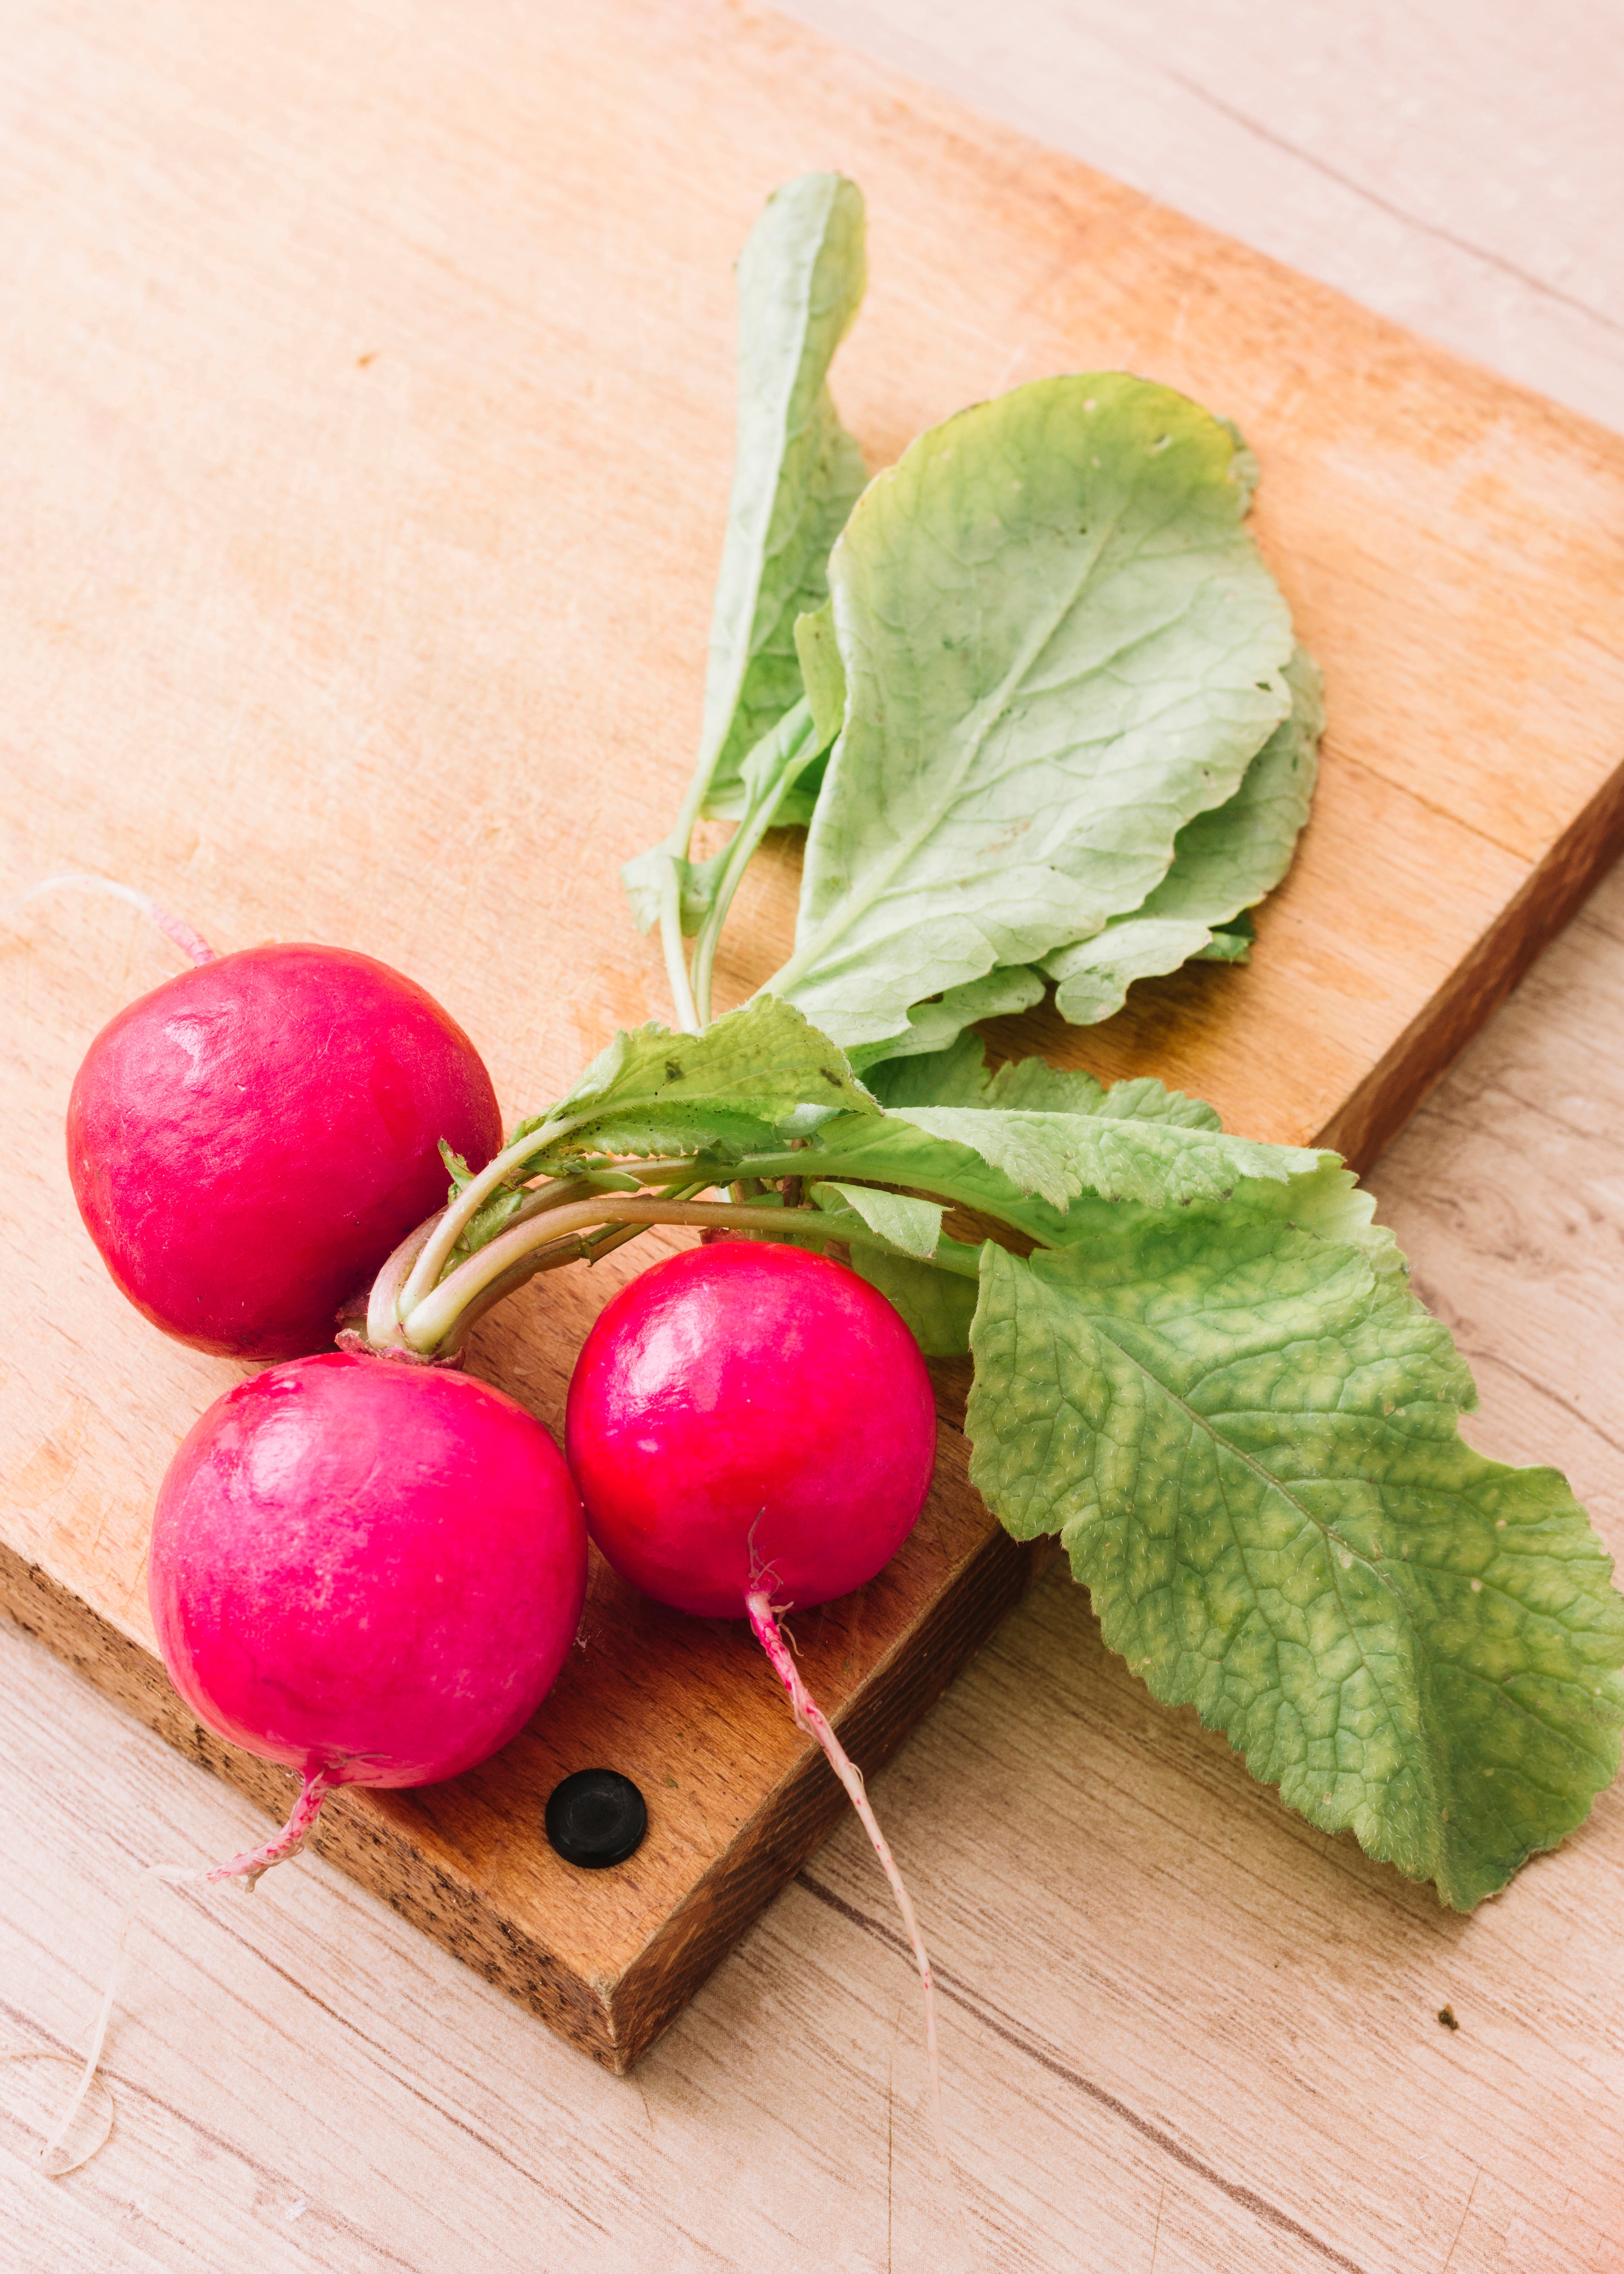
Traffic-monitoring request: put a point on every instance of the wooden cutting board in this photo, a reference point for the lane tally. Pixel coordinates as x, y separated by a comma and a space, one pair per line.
366, 452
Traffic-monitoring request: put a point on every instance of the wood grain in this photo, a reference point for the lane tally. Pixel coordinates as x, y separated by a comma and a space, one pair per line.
308, 2054
366, 545
1182, 2030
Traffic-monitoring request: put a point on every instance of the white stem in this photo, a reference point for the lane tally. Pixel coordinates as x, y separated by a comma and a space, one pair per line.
383, 1304
450, 1225
427, 1325
670, 941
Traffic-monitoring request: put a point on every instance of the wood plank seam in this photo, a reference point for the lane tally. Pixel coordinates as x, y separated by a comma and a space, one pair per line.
1021, 2041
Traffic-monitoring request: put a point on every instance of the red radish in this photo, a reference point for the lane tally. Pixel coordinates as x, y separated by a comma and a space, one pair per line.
742, 1409
367, 1571
249, 1141
748, 1423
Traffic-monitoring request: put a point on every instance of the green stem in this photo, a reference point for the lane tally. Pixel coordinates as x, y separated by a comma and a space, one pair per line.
433, 1320
797, 731
579, 1247
507, 1168
670, 941
771, 1168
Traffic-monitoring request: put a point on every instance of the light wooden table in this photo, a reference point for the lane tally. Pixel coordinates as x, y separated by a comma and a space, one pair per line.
1180, 2030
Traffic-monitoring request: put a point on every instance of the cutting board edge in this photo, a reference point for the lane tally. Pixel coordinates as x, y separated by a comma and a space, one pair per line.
1550, 896
616, 2019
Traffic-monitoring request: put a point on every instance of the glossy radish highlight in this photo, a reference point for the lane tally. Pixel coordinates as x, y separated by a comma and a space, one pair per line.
744, 1409
249, 1141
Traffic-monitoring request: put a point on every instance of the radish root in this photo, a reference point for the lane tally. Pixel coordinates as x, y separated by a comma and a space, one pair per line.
250, 1867
810, 1716
189, 942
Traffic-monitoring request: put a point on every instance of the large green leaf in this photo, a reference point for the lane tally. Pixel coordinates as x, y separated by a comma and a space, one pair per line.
1224, 862
751, 1073
1245, 1435
913, 1227
939, 1305
959, 1075
1060, 644
1158, 1164
935, 1026
1056, 1178
796, 474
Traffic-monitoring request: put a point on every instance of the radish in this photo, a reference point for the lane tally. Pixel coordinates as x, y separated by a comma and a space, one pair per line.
368, 1571
248, 1142
752, 1426
743, 1409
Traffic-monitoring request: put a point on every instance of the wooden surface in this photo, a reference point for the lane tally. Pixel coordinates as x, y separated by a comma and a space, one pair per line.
370, 515
1188, 2031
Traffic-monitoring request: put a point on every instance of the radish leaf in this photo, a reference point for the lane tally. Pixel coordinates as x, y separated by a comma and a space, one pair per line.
1224, 862
1056, 1157
959, 1075
913, 1227
796, 474
1245, 1436
939, 1305
1060, 644
734, 1086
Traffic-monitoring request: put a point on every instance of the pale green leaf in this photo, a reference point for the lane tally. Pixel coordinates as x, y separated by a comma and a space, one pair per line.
913, 1227
1247, 1437
935, 1026
1224, 861
1060, 644
734, 1086
937, 1305
1094, 976
1156, 1164
1006, 1166
821, 671
959, 1075
796, 474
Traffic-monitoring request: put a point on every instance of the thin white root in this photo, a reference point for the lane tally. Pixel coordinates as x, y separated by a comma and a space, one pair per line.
249, 1866
810, 1715
173, 1875
100, 2106
189, 942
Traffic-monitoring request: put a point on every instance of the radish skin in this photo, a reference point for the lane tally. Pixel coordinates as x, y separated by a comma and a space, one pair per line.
248, 1142
367, 1570
742, 1408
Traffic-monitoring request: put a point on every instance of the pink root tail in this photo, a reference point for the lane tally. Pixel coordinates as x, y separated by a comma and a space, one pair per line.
254, 1863
249, 1867
189, 942
812, 1719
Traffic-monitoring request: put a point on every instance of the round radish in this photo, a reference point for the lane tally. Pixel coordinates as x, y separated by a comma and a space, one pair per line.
249, 1142
368, 1571
743, 1411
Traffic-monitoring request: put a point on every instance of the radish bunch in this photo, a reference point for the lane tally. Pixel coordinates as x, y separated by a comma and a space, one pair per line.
367, 1566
